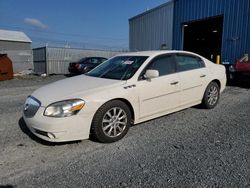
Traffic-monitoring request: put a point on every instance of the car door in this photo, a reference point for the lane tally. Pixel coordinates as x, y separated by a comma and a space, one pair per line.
161, 94
192, 73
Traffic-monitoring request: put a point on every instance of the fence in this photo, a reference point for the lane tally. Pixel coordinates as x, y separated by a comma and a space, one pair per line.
51, 60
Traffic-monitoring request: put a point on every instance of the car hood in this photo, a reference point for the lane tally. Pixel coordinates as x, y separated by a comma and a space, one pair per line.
75, 87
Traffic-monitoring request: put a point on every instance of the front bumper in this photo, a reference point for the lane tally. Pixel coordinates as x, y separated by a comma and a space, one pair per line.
76, 127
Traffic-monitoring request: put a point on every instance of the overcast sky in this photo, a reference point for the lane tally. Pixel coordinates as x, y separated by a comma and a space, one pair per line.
81, 23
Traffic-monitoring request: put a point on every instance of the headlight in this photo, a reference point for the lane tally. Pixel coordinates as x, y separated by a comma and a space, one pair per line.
64, 108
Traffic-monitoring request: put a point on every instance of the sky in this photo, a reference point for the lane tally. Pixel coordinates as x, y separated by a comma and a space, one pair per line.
74, 23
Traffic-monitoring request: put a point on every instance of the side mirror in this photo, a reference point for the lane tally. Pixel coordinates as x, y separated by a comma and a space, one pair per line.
150, 73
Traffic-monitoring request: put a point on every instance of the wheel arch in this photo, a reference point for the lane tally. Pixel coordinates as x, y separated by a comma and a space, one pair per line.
131, 108
128, 104
94, 132
217, 82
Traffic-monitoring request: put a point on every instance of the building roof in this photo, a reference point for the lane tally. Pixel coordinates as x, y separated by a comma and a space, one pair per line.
18, 36
151, 10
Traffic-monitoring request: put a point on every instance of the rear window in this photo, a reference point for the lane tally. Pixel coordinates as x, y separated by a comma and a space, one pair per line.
187, 62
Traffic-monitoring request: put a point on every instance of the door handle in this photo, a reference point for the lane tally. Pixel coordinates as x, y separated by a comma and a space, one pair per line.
203, 75
174, 83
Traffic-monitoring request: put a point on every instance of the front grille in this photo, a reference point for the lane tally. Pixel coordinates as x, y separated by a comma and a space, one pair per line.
31, 106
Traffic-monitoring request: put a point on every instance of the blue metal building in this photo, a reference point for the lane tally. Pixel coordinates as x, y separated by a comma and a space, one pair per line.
151, 29
232, 17
236, 23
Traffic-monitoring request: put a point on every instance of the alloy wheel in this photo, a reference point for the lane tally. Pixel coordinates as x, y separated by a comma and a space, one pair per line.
213, 95
114, 122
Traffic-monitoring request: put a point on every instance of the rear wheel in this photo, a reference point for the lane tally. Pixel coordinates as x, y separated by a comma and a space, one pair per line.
211, 96
111, 121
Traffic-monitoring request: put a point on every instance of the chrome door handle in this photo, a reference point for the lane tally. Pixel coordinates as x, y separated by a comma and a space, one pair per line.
174, 83
203, 75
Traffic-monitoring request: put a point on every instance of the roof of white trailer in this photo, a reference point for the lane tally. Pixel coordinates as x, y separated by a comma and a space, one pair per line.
18, 36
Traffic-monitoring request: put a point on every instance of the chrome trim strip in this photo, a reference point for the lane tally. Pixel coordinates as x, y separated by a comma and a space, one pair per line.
161, 96
192, 87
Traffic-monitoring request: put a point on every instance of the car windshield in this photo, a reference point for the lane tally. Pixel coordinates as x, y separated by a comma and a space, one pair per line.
118, 68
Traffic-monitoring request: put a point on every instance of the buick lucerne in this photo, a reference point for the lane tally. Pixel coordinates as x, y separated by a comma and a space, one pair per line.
124, 90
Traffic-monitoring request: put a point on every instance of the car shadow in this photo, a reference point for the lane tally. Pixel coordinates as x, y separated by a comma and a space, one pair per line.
245, 85
92, 138
7, 186
198, 106
70, 75
241, 84
25, 130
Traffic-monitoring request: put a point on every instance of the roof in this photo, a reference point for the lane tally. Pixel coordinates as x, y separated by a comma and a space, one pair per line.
146, 53
151, 10
154, 53
17, 36
149, 53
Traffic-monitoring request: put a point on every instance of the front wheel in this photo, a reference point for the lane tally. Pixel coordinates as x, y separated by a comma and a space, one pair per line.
111, 121
211, 96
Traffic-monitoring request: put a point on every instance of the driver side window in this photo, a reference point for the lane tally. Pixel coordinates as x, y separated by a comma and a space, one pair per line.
94, 60
164, 64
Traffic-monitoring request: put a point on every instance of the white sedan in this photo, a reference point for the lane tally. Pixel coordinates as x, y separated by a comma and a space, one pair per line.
127, 89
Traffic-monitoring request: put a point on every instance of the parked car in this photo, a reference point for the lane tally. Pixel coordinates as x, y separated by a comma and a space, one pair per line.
240, 71
86, 64
126, 89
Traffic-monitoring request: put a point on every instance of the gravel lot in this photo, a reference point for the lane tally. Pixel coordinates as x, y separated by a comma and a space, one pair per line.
190, 148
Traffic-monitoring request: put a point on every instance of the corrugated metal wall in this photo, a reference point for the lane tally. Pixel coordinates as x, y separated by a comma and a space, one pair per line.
236, 26
21, 59
20, 54
56, 60
148, 31
39, 60
12, 45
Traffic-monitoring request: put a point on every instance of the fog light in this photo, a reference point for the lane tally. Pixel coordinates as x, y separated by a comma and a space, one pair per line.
51, 135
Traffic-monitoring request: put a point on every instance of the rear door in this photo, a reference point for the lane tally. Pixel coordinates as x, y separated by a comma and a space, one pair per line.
192, 73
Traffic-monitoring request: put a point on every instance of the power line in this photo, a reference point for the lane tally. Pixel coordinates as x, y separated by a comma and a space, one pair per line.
82, 44
60, 33
73, 44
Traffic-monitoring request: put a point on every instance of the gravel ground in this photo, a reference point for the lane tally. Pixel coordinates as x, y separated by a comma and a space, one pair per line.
190, 148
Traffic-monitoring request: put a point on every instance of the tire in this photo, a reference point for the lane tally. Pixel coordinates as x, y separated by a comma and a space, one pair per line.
211, 96
111, 121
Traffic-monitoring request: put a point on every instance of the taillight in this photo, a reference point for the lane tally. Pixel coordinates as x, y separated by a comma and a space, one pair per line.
77, 65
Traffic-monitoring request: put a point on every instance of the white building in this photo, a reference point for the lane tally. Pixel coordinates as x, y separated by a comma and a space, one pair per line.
17, 45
